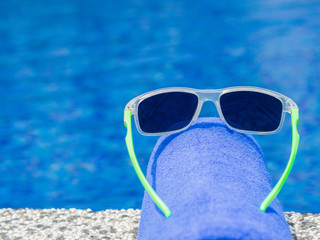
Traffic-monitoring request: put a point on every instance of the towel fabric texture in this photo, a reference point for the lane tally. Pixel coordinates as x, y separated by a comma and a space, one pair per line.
213, 180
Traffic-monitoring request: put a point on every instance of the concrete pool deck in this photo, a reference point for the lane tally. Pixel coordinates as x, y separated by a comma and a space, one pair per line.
63, 224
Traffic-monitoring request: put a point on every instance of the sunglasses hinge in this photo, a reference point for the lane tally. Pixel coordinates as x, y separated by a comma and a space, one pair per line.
289, 105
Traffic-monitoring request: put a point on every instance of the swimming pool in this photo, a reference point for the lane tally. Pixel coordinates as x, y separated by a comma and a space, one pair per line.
67, 69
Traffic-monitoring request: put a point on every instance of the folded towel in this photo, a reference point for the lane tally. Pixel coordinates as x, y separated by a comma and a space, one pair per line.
213, 180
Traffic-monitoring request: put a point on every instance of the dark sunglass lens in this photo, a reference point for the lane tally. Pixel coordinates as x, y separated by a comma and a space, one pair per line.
167, 111
251, 111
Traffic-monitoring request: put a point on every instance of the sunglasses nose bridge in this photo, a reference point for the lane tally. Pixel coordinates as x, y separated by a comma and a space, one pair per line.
210, 96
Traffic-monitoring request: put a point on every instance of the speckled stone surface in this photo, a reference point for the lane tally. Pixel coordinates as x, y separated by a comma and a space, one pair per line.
123, 224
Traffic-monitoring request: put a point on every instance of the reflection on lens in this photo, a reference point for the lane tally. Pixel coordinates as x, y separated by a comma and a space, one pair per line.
166, 111
251, 111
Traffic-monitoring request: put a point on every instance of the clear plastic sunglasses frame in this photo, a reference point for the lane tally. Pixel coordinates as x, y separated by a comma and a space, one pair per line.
209, 95
288, 106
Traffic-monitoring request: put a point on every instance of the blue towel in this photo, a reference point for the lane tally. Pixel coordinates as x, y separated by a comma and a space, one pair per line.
213, 180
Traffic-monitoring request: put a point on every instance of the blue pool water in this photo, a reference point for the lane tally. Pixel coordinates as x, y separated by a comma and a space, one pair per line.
67, 69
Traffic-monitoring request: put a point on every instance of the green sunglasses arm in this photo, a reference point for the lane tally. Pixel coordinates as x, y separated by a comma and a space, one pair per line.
294, 149
157, 200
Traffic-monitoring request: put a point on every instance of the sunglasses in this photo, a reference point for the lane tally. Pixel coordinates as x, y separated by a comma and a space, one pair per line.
249, 110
